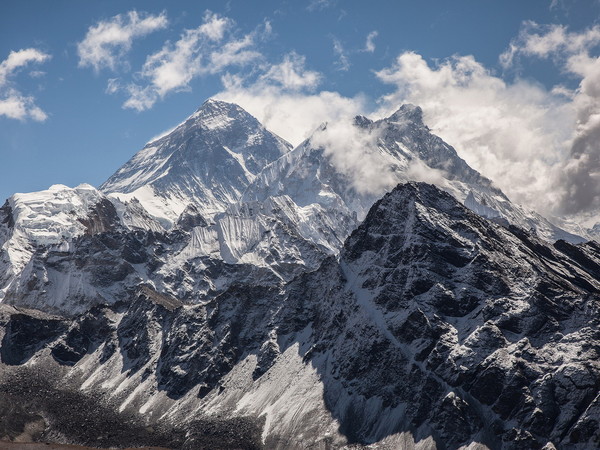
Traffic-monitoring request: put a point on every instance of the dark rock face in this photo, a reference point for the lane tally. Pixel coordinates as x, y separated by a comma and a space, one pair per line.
190, 218
433, 321
108, 262
102, 217
470, 325
24, 335
6, 215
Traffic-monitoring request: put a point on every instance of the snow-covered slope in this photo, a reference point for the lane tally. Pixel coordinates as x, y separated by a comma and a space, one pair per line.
434, 328
64, 250
402, 148
42, 261
207, 161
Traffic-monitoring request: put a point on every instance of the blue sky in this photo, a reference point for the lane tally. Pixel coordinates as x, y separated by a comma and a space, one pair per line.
89, 83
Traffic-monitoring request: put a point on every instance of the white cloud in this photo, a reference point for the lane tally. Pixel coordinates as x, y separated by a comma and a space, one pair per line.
342, 63
571, 51
140, 98
19, 59
113, 85
13, 104
107, 42
354, 153
544, 41
236, 52
514, 133
283, 101
208, 49
37, 74
370, 44
291, 74
214, 26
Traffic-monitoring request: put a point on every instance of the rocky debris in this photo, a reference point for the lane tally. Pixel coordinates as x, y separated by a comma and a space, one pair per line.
64, 414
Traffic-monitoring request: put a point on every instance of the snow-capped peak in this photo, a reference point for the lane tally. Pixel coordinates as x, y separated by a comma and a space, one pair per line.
208, 160
408, 113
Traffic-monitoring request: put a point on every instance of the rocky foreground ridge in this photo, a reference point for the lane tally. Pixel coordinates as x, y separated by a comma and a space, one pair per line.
432, 327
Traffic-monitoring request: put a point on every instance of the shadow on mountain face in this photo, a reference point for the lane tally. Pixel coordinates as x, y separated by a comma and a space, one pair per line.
439, 323
433, 321
25, 335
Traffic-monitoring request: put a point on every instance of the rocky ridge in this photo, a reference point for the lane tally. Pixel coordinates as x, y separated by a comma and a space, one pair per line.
434, 327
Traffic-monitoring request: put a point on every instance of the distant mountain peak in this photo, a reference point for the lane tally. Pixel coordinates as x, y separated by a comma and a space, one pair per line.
213, 103
407, 113
208, 160
213, 107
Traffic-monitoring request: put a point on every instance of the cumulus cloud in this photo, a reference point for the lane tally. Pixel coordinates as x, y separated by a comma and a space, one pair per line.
107, 42
208, 49
572, 52
354, 153
283, 99
370, 44
291, 73
14, 104
514, 133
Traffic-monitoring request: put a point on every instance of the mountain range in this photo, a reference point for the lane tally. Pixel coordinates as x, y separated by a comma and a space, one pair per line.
225, 290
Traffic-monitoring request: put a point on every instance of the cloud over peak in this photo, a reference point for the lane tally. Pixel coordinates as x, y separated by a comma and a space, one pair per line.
514, 133
283, 98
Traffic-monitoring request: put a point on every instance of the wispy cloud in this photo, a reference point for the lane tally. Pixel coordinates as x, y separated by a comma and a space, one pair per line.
354, 153
13, 104
291, 74
106, 43
283, 98
214, 26
37, 74
17, 60
370, 43
208, 49
319, 5
343, 62
545, 41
